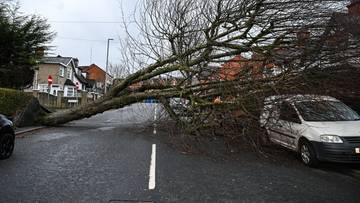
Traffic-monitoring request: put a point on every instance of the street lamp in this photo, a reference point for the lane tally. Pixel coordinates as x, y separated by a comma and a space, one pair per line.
107, 62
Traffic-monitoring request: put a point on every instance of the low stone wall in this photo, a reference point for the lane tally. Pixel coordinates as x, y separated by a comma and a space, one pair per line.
60, 102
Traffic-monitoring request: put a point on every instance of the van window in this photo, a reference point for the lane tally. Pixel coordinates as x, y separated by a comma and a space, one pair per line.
288, 113
326, 111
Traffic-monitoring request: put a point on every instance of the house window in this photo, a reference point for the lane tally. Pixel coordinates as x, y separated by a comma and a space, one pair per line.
69, 74
70, 92
43, 88
62, 71
55, 89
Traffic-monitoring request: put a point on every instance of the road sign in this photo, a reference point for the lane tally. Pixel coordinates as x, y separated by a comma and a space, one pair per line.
50, 80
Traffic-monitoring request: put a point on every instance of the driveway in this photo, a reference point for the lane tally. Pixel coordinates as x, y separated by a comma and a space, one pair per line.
105, 158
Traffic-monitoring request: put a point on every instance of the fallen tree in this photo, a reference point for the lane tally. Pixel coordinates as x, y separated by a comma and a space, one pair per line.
189, 40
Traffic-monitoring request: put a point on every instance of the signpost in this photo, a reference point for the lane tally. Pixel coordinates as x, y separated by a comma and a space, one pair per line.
50, 80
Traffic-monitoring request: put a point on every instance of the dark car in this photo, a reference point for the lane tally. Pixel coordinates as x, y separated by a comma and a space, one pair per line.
7, 137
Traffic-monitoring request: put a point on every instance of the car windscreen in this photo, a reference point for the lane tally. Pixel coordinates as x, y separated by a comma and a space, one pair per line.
326, 111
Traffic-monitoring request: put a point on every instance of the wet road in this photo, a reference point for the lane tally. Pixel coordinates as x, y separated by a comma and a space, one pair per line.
102, 159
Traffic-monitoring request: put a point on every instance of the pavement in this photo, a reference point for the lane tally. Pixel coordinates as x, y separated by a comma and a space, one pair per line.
106, 158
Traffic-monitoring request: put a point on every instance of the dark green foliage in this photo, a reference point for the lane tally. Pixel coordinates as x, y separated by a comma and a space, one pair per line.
12, 101
20, 36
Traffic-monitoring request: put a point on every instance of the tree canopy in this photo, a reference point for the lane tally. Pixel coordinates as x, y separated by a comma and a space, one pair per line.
20, 36
227, 56
191, 40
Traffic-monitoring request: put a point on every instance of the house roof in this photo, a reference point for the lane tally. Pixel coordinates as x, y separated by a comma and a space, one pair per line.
69, 83
85, 69
56, 60
81, 78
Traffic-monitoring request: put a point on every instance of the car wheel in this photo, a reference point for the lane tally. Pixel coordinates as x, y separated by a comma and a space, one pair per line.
308, 154
7, 142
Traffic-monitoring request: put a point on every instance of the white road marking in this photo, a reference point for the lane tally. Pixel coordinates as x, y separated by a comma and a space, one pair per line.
105, 128
155, 112
152, 168
155, 118
154, 131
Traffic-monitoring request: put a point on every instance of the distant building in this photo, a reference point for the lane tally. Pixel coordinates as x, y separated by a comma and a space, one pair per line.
96, 78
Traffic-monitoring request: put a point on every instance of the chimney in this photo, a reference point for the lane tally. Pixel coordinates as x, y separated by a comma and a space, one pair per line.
354, 7
76, 61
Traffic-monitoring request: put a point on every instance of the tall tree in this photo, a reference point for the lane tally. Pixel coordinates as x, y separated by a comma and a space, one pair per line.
189, 39
20, 36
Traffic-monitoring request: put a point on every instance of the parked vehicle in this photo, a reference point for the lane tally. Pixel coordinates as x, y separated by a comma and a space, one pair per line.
319, 128
7, 138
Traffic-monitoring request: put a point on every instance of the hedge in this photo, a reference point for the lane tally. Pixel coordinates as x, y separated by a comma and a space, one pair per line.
12, 101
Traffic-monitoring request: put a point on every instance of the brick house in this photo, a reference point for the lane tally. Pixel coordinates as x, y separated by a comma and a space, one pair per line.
342, 34
239, 66
341, 29
96, 78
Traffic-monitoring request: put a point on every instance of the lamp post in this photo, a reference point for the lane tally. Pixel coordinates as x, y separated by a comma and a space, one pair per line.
107, 63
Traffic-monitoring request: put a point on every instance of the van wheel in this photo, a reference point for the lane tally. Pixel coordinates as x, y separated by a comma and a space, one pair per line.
308, 154
7, 141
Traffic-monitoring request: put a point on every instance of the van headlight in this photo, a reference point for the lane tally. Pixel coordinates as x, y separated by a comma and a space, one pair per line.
330, 139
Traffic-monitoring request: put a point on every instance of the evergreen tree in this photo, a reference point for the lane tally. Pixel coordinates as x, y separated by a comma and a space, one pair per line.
20, 36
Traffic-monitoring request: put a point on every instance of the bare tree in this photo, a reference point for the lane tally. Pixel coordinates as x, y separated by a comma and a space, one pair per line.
118, 71
190, 40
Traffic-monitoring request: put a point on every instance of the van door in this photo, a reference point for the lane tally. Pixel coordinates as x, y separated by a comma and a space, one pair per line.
288, 127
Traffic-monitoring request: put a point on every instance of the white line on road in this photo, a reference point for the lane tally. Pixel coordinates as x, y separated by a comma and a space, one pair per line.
155, 118
152, 168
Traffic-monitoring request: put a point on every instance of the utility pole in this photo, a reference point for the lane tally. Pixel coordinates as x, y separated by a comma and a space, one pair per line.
107, 63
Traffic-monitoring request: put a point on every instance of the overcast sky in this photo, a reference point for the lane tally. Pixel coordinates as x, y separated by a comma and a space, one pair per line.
86, 41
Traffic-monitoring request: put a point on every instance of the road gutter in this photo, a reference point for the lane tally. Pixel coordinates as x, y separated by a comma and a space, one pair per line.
19, 132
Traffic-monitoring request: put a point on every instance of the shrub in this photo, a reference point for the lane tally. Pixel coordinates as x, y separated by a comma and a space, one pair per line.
12, 101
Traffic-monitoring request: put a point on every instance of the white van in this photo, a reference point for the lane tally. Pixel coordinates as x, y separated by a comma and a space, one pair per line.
319, 128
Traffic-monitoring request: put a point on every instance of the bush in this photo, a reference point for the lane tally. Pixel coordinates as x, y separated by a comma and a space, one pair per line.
12, 101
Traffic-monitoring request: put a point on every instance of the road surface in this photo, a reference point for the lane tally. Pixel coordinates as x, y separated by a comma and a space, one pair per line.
105, 158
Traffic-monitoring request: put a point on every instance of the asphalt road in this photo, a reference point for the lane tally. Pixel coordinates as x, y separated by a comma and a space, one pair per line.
105, 158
